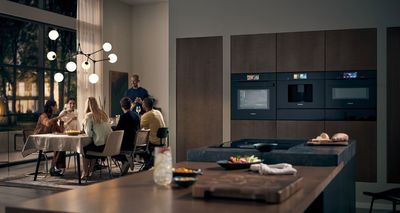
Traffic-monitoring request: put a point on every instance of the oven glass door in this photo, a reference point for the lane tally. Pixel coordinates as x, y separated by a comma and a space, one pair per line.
254, 100
351, 93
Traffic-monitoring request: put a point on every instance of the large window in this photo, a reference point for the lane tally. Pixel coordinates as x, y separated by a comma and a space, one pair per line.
26, 76
64, 7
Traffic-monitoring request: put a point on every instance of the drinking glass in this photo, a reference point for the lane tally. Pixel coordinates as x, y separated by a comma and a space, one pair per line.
138, 109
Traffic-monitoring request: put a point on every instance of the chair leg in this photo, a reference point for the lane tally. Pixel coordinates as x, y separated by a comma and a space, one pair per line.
46, 163
372, 204
109, 166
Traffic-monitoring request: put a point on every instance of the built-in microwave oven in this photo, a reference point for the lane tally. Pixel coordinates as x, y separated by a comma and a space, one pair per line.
253, 96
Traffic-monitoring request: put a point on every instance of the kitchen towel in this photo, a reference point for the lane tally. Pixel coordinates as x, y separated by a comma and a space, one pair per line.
274, 169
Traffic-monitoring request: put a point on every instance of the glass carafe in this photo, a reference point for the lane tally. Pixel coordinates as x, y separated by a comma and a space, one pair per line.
162, 174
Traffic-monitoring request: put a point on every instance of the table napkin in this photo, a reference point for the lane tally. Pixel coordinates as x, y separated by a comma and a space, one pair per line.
274, 169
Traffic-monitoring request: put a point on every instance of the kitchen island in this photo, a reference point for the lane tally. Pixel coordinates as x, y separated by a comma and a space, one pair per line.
138, 193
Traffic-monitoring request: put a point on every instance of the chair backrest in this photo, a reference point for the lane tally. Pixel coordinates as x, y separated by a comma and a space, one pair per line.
113, 143
142, 138
162, 133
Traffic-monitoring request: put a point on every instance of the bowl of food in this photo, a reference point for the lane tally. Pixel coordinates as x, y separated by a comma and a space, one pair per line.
239, 162
186, 172
265, 147
184, 181
72, 132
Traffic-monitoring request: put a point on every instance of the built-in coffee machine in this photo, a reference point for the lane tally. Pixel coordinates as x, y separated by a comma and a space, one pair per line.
300, 96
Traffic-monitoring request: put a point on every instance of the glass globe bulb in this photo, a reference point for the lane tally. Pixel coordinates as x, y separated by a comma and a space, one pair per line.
71, 66
112, 58
93, 78
51, 55
53, 35
107, 47
58, 77
86, 65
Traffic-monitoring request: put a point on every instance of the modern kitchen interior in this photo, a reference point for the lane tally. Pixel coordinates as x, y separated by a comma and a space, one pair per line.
270, 106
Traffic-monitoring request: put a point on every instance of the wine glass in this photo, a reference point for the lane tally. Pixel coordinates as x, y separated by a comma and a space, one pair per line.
138, 109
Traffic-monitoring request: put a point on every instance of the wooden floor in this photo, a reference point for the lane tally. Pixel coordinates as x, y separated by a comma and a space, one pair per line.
15, 195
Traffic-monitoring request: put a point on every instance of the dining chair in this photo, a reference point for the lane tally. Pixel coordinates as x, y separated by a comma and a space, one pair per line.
162, 133
112, 147
141, 148
392, 195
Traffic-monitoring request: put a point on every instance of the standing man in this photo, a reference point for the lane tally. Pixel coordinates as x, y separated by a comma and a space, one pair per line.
136, 93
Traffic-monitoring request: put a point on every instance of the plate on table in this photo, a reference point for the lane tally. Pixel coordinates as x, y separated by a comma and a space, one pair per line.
230, 166
73, 132
186, 172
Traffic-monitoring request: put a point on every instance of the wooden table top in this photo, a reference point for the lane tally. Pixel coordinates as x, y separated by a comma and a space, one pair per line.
138, 193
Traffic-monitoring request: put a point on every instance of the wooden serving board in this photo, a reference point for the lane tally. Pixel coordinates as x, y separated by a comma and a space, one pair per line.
329, 143
253, 186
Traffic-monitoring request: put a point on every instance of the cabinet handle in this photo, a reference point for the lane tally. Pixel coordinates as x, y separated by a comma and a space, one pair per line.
300, 104
350, 103
253, 113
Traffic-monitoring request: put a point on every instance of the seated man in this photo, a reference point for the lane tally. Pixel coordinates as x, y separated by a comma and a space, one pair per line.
129, 122
152, 119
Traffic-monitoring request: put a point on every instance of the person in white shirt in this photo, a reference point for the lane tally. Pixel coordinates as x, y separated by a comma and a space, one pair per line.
70, 116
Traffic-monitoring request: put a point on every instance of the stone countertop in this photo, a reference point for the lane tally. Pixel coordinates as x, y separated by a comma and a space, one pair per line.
301, 154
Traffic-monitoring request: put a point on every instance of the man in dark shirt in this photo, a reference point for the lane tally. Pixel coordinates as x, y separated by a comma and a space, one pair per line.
136, 93
130, 123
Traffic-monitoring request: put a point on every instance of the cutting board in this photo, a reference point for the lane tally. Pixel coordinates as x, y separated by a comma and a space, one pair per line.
253, 186
327, 143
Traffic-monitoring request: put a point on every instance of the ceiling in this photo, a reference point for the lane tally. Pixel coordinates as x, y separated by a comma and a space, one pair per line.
136, 2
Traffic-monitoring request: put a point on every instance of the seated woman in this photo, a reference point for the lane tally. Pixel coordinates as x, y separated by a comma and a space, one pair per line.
70, 117
48, 124
95, 125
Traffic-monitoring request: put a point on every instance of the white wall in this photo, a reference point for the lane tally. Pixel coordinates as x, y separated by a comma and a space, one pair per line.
197, 18
117, 22
150, 50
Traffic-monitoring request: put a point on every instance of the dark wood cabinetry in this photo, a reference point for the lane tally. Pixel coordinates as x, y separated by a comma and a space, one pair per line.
393, 104
198, 93
301, 51
253, 53
353, 49
299, 129
253, 129
364, 132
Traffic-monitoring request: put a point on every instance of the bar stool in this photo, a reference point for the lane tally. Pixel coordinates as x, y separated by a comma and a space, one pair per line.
390, 195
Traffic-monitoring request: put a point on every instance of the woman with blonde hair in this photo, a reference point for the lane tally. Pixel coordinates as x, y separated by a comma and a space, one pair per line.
95, 125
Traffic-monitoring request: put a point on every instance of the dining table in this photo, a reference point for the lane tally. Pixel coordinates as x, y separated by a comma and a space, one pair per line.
56, 142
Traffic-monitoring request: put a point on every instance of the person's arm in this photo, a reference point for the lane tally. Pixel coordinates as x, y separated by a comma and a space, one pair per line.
145, 122
44, 120
88, 126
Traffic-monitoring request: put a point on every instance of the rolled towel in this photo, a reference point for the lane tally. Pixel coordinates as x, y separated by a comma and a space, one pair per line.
274, 169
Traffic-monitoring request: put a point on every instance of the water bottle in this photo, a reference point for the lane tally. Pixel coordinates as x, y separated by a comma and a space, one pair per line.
162, 174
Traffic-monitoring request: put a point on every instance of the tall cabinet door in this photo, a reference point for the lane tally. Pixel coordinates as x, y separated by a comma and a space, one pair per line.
393, 105
364, 132
198, 93
253, 53
253, 129
353, 49
301, 51
299, 129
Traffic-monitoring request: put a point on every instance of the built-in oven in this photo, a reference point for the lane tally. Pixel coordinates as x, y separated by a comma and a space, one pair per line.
300, 96
351, 95
253, 96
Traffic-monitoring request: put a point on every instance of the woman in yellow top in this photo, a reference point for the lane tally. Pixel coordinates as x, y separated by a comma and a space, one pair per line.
96, 126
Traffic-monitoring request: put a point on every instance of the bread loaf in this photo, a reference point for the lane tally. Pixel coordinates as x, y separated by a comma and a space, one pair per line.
340, 137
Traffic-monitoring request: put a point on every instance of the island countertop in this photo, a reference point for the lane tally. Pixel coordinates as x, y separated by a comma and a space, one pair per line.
138, 193
296, 153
